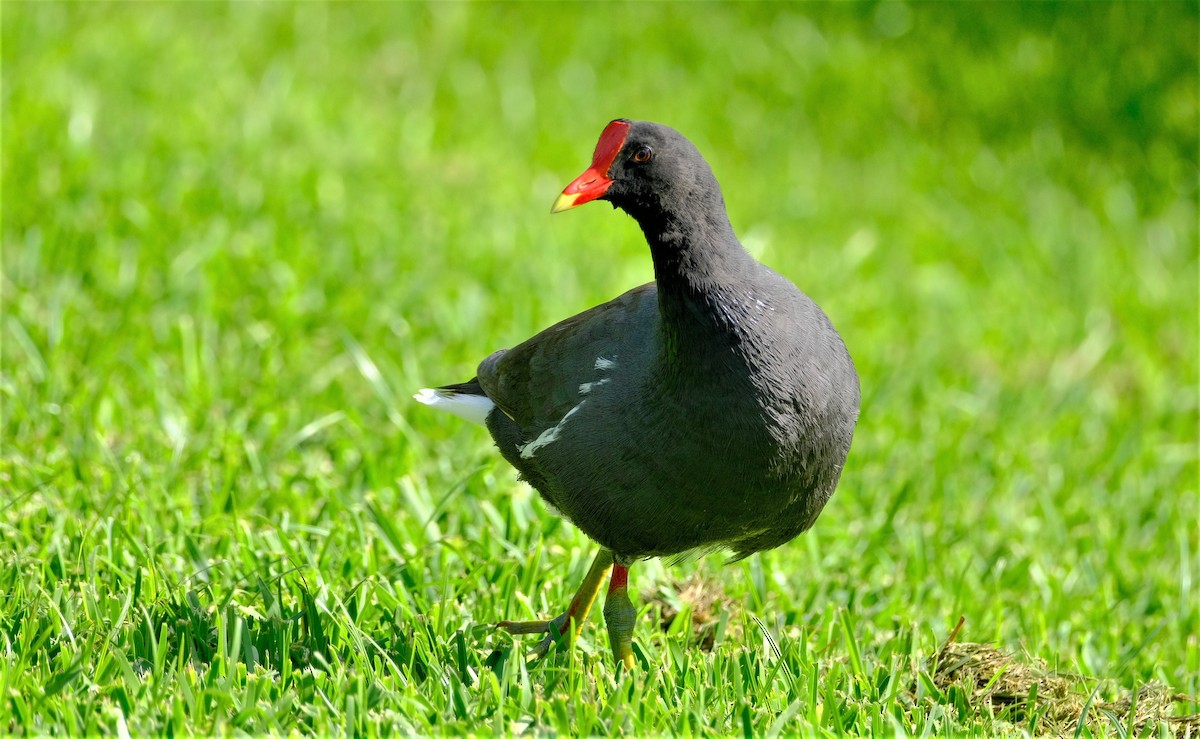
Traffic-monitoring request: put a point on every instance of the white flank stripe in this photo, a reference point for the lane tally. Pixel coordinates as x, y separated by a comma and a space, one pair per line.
547, 437
474, 408
586, 387
604, 364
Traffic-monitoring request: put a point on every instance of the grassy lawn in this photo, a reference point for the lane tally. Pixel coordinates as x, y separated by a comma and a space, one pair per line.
236, 238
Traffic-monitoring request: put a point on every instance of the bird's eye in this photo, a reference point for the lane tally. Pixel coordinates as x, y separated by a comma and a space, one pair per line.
642, 155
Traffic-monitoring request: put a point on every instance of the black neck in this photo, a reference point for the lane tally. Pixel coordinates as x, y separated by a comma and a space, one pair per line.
699, 266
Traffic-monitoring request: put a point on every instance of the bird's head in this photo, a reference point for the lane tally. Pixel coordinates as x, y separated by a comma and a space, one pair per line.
642, 168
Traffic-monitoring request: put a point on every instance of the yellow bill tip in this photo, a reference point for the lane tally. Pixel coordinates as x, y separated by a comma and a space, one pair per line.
564, 202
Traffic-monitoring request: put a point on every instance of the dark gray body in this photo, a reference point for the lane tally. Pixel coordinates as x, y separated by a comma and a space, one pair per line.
713, 408
734, 452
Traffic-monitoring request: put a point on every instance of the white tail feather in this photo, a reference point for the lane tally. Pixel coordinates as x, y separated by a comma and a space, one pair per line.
474, 408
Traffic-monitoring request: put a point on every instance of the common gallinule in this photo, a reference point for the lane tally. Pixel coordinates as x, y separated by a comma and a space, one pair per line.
710, 409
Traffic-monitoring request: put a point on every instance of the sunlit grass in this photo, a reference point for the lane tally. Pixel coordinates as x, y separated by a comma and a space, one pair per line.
236, 238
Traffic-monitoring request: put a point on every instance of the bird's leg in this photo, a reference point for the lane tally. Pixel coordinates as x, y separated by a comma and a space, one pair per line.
619, 616
571, 622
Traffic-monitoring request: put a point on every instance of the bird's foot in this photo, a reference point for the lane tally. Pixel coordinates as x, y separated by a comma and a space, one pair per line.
570, 623
554, 629
554, 625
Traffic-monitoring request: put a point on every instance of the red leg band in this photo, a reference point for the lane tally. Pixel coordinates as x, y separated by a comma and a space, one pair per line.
620, 579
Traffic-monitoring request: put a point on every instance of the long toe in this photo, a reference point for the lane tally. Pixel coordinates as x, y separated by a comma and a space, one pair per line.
570, 623
543, 647
553, 627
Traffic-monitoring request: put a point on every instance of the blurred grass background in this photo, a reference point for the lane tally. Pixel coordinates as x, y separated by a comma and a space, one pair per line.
236, 237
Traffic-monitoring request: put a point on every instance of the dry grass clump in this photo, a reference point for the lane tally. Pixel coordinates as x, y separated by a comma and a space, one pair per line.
704, 599
1049, 702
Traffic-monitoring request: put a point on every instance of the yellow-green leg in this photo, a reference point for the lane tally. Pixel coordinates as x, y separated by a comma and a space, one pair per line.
571, 622
619, 617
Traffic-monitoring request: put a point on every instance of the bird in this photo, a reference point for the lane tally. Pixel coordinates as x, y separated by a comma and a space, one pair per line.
709, 410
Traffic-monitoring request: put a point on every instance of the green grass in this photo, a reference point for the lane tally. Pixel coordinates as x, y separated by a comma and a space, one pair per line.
237, 237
